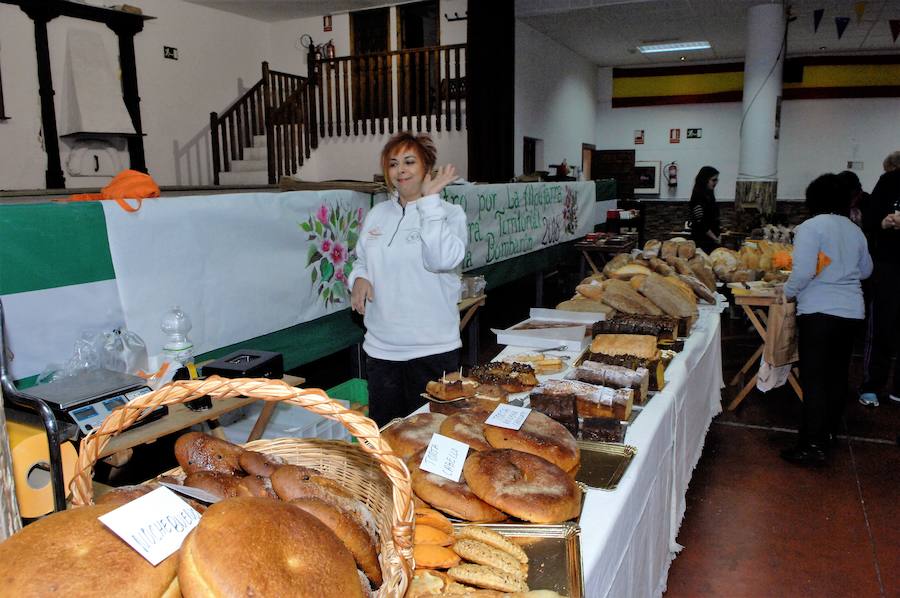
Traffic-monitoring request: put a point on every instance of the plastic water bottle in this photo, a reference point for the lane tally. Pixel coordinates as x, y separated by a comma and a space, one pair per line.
178, 347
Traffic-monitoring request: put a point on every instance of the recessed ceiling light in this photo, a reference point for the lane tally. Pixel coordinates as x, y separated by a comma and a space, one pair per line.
823, 47
682, 59
674, 47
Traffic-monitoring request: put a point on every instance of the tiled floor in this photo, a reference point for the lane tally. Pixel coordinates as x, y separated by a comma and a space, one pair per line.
757, 526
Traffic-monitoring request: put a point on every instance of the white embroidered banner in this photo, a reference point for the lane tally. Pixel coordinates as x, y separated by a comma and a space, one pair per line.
507, 221
239, 265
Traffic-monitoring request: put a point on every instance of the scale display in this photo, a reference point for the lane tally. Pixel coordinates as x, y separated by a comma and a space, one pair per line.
92, 415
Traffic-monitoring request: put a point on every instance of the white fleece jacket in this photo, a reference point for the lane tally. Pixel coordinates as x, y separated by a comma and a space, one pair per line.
411, 256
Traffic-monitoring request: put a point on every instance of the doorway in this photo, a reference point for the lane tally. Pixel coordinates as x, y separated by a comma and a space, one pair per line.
369, 35
587, 150
418, 27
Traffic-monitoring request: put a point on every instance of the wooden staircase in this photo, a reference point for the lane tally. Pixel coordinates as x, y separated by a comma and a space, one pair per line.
273, 128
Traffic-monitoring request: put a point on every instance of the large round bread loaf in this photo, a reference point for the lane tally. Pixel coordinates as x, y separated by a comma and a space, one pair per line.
540, 435
454, 498
413, 433
467, 427
71, 553
196, 451
264, 547
523, 485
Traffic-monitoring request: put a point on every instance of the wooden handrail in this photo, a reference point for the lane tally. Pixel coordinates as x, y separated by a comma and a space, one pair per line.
417, 89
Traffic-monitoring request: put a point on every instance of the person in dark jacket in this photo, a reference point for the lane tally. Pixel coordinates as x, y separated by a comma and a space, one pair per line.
704, 213
883, 217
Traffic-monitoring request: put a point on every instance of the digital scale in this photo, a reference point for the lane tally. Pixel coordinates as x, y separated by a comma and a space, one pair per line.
88, 398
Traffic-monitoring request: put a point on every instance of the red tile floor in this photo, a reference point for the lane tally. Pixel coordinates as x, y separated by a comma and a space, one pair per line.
758, 526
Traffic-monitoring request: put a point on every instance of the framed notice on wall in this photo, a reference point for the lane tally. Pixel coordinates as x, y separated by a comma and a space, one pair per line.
639, 136
646, 177
674, 135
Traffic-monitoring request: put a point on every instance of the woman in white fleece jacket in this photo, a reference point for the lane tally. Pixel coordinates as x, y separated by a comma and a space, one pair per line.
405, 279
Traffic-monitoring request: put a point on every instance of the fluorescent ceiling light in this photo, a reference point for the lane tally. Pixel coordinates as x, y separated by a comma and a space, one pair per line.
676, 47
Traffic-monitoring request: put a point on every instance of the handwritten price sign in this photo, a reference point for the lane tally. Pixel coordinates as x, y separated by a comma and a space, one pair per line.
445, 457
508, 416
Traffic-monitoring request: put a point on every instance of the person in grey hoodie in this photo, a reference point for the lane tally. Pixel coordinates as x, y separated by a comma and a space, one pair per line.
830, 260
405, 280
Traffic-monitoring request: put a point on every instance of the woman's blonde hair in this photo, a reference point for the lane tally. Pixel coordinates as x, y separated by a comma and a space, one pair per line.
421, 144
892, 162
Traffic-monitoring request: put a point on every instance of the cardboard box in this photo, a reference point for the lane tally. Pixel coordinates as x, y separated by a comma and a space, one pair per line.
573, 338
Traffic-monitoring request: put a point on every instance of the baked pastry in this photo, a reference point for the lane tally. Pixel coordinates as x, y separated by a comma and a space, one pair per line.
651, 249
454, 498
431, 556
593, 290
354, 536
413, 433
426, 582
542, 364
619, 260
603, 429
662, 327
592, 400
60, 554
525, 486
264, 547
559, 407
511, 377
583, 304
614, 376
195, 452
483, 554
495, 539
634, 345
450, 387
687, 249
468, 427
698, 287
425, 534
539, 435
432, 518
486, 399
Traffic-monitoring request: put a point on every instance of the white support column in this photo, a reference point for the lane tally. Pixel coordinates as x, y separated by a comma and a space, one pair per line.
764, 57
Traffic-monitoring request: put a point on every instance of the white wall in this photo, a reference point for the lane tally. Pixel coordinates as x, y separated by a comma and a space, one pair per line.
219, 56
817, 136
556, 98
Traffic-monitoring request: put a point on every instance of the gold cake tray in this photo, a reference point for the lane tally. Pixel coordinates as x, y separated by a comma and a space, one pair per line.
554, 555
603, 464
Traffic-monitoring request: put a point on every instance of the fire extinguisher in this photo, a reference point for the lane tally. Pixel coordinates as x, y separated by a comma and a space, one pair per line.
329, 49
671, 173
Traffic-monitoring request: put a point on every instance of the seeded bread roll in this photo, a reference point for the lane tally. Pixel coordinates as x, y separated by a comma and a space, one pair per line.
201, 452
525, 486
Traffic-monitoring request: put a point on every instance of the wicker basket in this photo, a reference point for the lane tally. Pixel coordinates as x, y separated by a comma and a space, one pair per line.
388, 498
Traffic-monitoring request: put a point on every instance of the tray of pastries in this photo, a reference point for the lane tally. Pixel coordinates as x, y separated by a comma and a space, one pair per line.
459, 559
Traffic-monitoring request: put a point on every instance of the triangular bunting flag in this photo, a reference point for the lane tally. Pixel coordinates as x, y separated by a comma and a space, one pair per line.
895, 28
860, 8
817, 18
841, 23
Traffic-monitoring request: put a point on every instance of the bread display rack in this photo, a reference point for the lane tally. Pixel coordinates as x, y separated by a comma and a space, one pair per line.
355, 467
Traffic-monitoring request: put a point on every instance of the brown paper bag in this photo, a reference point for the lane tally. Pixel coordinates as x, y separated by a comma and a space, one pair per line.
781, 334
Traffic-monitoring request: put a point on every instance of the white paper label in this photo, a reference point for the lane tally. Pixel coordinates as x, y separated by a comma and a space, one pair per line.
445, 457
155, 524
508, 416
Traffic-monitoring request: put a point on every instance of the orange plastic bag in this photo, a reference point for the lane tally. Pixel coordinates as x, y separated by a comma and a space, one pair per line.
128, 184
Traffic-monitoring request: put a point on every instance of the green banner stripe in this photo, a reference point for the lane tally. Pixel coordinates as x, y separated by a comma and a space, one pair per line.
50, 245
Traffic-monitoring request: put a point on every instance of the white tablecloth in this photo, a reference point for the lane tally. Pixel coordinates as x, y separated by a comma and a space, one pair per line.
628, 535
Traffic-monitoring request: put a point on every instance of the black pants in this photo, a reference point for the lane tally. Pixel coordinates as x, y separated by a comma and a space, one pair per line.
884, 324
825, 344
395, 387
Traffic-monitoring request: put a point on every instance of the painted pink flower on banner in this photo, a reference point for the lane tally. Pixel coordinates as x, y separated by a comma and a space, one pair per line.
359, 214
340, 276
326, 246
322, 214
338, 254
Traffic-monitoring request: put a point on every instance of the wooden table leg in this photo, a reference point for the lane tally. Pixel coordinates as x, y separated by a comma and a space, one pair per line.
743, 394
591, 263
262, 421
754, 359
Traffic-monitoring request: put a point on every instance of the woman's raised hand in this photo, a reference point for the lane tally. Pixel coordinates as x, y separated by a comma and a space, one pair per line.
445, 176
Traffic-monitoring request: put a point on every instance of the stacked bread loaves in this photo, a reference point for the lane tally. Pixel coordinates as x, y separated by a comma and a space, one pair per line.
526, 473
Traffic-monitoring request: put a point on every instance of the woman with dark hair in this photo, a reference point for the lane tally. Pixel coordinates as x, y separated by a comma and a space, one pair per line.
830, 259
704, 212
405, 279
